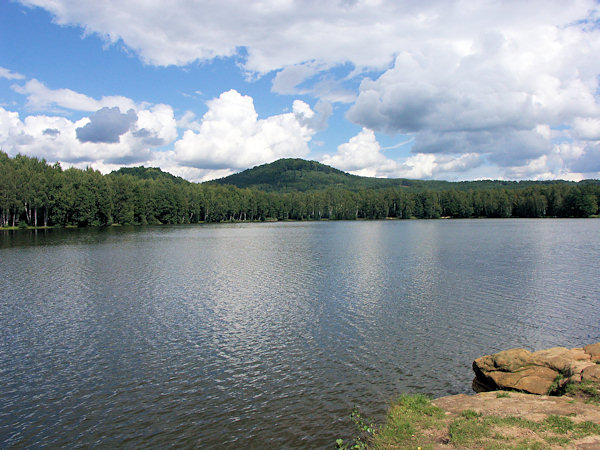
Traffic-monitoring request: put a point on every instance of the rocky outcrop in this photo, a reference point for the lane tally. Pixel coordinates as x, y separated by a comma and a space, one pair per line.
541, 372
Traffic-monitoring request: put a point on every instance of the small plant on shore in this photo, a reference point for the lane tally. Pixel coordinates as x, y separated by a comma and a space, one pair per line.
365, 431
585, 389
557, 386
407, 418
502, 394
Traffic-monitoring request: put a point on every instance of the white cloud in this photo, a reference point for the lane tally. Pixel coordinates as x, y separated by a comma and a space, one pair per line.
362, 155
493, 88
230, 135
331, 32
10, 75
55, 138
471, 82
366, 33
42, 98
587, 128
314, 79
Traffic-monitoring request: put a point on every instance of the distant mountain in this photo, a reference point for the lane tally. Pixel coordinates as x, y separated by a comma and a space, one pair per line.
287, 175
299, 175
148, 173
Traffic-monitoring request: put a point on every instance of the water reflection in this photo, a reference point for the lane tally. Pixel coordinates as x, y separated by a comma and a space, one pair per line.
266, 335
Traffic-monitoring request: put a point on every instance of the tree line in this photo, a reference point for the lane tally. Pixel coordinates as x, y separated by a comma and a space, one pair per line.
35, 193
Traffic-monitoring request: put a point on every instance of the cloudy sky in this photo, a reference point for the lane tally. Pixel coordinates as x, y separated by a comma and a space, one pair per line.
453, 90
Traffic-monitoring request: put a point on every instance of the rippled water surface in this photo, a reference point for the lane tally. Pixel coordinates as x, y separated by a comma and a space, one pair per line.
266, 335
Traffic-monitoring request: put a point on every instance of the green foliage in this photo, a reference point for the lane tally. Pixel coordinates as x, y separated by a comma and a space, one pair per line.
559, 424
414, 422
585, 389
35, 193
470, 414
298, 175
502, 394
557, 386
148, 173
465, 431
365, 430
407, 417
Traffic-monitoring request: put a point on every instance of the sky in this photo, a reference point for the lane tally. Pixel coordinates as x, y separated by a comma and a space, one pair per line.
452, 90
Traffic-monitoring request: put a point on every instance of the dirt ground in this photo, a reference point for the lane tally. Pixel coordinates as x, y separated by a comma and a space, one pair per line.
525, 406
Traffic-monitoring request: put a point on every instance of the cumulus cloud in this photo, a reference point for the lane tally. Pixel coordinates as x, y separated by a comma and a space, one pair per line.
57, 138
584, 158
587, 128
51, 132
312, 78
230, 135
362, 155
10, 75
496, 92
330, 32
491, 79
107, 125
42, 98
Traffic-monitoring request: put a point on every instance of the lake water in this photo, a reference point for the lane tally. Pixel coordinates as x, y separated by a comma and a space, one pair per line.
267, 335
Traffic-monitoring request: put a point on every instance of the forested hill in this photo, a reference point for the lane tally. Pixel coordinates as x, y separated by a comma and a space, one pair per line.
34, 193
148, 173
299, 175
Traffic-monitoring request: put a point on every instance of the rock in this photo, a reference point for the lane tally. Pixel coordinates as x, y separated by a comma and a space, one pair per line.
591, 373
531, 379
594, 351
536, 373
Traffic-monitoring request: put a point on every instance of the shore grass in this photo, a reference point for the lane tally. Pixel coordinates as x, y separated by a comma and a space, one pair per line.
413, 422
586, 390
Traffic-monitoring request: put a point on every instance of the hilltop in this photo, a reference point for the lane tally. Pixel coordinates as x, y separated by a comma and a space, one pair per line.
148, 173
294, 174
299, 175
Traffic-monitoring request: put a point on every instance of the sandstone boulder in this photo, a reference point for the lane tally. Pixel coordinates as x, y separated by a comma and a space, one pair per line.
591, 373
540, 372
594, 351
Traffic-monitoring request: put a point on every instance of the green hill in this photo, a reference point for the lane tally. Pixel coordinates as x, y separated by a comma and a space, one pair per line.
288, 175
298, 175
148, 173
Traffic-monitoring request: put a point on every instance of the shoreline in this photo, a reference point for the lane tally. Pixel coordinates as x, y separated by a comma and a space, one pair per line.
274, 220
530, 414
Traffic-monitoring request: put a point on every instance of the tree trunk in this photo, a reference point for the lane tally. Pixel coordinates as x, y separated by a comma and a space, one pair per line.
35, 216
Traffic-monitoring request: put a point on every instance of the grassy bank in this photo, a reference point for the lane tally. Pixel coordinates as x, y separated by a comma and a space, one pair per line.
413, 422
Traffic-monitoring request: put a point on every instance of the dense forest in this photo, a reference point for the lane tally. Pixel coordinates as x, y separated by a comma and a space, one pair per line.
35, 193
292, 174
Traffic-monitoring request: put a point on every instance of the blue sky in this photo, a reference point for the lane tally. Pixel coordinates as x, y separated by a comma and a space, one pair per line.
446, 90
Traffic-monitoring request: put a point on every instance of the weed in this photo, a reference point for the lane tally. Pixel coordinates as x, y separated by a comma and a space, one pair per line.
470, 414
556, 388
558, 440
408, 417
585, 389
559, 424
528, 444
465, 431
413, 421
365, 429
502, 394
